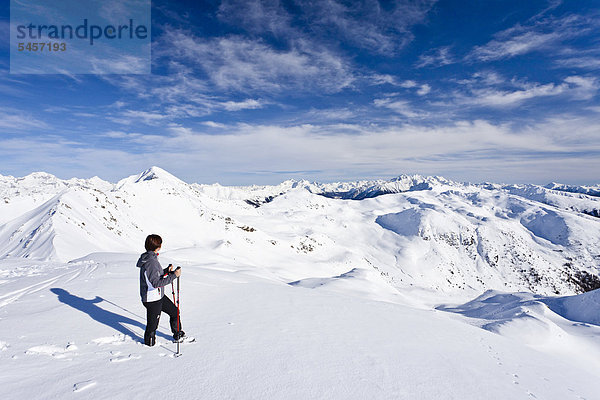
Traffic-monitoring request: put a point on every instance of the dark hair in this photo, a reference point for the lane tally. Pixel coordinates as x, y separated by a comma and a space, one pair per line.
153, 242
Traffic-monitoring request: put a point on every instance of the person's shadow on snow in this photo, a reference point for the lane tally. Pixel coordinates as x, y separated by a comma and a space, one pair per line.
90, 307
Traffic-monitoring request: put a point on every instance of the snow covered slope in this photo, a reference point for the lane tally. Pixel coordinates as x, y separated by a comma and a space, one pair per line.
74, 330
302, 290
426, 232
589, 190
367, 189
567, 327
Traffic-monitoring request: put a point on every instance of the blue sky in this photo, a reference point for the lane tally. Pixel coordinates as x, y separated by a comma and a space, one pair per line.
262, 91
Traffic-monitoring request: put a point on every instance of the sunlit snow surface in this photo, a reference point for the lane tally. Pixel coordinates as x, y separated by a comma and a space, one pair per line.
436, 290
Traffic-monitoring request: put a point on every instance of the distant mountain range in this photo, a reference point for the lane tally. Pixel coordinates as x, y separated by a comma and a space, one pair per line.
409, 232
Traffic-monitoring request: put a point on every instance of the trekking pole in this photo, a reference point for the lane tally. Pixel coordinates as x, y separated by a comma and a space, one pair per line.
173, 291
178, 330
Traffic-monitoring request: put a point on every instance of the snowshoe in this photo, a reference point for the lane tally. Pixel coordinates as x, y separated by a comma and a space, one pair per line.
184, 339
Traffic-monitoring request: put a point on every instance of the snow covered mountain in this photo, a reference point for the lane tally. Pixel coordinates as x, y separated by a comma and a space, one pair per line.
426, 232
363, 289
589, 190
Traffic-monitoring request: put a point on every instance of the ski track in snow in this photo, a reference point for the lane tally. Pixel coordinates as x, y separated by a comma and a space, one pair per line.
14, 296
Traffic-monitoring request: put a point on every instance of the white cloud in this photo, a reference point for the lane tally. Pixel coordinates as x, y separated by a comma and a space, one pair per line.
118, 104
248, 153
9, 85
401, 107
180, 86
129, 117
508, 47
213, 124
121, 135
547, 34
575, 87
489, 77
552, 4
17, 120
364, 24
500, 98
437, 57
582, 87
329, 114
116, 10
119, 64
594, 108
84, 114
257, 16
579, 62
408, 84
66, 159
249, 104
176, 95
380, 79
423, 90
238, 63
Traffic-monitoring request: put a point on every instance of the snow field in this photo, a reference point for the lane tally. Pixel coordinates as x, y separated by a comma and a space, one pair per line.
256, 338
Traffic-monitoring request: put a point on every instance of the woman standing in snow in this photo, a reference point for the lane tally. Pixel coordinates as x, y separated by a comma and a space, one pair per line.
153, 279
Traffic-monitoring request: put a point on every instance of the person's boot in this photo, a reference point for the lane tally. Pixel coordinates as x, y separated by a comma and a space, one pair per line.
178, 336
150, 339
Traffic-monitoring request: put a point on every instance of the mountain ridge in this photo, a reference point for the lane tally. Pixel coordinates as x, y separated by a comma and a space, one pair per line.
413, 231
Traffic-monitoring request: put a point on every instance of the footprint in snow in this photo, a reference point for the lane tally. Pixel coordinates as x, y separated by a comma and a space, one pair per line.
125, 358
81, 386
52, 350
515, 381
114, 340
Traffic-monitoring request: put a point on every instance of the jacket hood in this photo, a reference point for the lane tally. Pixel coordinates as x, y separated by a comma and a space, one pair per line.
144, 258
